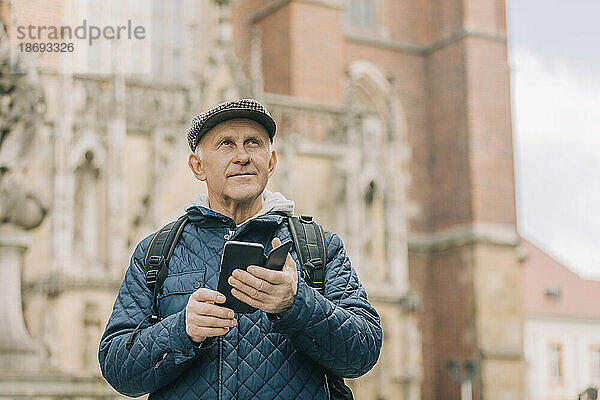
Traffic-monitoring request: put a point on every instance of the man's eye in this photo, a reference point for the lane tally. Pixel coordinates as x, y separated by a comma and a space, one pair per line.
226, 142
254, 141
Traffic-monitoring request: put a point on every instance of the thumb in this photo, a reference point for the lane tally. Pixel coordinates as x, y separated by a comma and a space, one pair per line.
289, 261
289, 264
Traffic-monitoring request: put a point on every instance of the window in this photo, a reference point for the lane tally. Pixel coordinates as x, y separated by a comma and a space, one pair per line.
117, 49
595, 365
168, 35
98, 53
555, 358
87, 209
361, 13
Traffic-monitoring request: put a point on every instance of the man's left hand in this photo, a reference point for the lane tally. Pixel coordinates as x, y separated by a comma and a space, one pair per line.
266, 289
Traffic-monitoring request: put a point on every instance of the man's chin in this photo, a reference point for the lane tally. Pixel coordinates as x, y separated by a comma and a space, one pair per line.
244, 193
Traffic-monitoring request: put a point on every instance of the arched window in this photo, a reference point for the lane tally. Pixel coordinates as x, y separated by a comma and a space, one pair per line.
374, 231
169, 22
378, 128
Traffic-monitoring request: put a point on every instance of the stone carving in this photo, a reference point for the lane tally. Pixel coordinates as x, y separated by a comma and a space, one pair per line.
148, 105
21, 107
317, 123
92, 103
224, 77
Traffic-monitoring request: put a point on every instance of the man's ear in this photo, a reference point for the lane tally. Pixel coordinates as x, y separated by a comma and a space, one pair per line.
197, 167
272, 163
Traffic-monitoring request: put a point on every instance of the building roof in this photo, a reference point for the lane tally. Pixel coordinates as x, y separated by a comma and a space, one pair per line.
553, 290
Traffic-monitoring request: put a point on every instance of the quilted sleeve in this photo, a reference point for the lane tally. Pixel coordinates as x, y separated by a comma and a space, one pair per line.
340, 329
160, 351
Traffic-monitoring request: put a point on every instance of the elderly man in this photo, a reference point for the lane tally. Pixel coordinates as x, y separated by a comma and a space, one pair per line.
590, 393
200, 349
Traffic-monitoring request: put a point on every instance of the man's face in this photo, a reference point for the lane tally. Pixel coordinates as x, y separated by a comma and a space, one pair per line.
236, 162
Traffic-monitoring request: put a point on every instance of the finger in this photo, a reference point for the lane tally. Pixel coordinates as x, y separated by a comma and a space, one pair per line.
251, 280
206, 294
212, 310
290, 264
206, 321
246, 299
247, 289
275, 242
273, 277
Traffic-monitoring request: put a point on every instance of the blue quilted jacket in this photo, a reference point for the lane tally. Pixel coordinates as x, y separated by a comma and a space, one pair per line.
263, 356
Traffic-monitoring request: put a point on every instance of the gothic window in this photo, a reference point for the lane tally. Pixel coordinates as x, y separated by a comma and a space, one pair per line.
374, 230
168, 25
370, 194
98, 60
372, 137
116, 49
361, 14
382, 251
136, 54
86, 233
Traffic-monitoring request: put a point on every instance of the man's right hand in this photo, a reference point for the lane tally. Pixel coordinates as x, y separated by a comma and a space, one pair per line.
203, 318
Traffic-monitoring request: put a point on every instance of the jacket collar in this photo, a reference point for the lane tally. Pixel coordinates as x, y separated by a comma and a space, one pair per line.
274, 209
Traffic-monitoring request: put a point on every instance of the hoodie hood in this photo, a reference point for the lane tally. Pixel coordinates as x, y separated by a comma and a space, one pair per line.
272, 201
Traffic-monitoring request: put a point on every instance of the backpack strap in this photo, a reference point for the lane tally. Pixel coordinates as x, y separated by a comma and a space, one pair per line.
309, 242
157, 258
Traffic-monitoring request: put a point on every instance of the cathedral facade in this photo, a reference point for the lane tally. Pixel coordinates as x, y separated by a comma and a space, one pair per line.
394, 131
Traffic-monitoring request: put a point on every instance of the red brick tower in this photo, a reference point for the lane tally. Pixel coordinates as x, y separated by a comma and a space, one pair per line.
448, 60
469, 272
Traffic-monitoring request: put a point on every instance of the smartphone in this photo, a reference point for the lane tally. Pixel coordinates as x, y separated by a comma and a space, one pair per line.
277, 256
238, 255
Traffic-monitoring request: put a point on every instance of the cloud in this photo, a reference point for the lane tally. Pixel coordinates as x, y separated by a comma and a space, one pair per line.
557, 153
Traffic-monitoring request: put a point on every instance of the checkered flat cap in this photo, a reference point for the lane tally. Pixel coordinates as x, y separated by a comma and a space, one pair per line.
244, 108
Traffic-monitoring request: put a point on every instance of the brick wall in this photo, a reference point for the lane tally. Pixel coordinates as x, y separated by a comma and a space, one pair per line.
448, 59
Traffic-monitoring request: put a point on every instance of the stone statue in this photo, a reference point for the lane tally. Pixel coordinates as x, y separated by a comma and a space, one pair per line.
21, 107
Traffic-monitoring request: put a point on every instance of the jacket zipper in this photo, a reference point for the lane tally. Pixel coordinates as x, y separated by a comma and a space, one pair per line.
228, 236
220, 343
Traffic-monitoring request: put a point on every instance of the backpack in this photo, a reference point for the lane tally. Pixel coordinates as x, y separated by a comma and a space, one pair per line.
309, 242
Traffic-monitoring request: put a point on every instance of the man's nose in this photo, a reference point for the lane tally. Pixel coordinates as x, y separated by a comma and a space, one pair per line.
241, 156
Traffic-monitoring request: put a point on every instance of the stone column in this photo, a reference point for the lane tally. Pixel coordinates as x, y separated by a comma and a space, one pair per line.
116, 186
64, 182
17, 350
351, 160
396, 158
412, 362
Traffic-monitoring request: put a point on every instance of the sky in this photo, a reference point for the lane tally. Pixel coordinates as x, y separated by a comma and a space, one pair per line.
554, 55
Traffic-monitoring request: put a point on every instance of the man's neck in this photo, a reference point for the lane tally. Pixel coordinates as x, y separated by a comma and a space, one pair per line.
238, 211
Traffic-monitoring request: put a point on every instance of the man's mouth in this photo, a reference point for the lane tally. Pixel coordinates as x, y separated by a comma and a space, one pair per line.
242, 174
